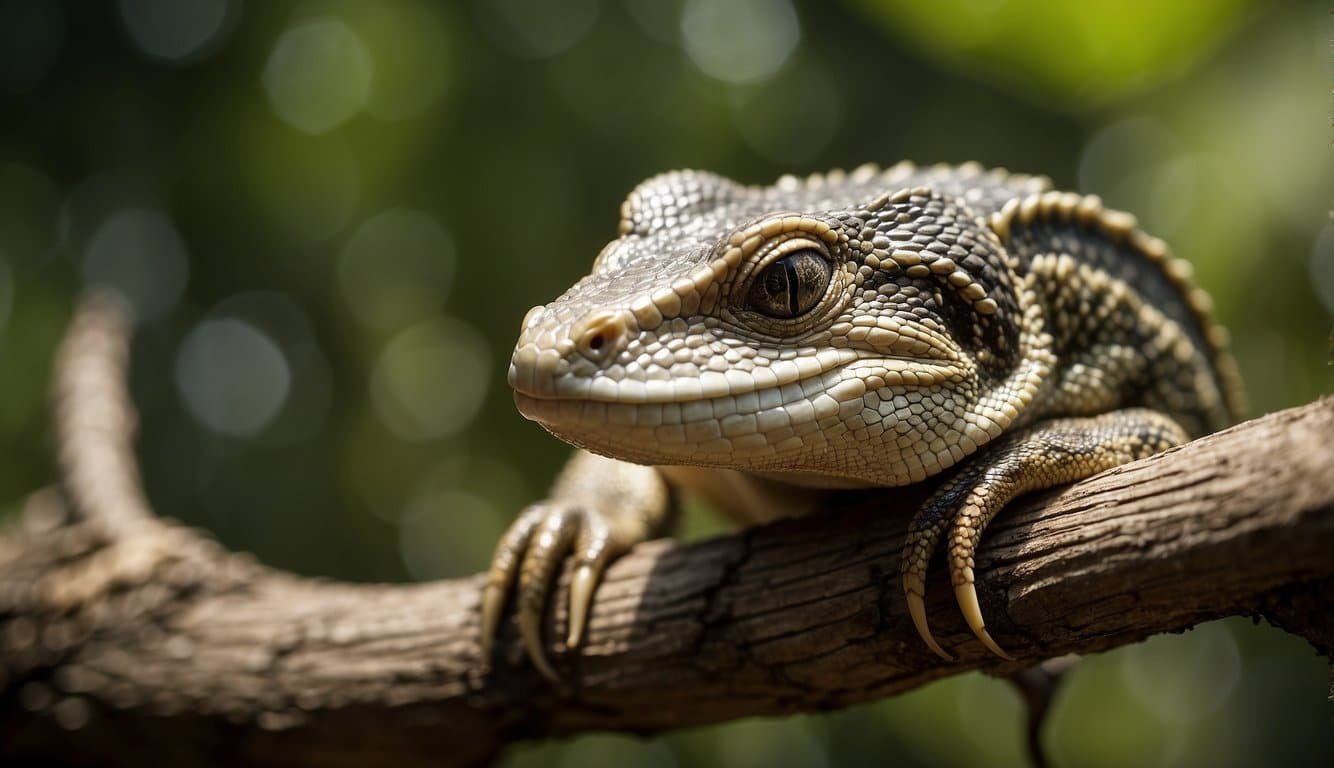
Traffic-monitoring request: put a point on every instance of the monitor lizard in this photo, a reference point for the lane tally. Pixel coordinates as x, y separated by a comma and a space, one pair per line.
760, 345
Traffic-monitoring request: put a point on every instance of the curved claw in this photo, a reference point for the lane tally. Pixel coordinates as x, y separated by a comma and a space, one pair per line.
581, 599
545, 553
504, 568
530, 629
1042, 455
924, 535
966, 594
595, 548
917, 610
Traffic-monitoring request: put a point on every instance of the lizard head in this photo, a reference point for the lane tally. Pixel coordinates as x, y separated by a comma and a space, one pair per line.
845, 329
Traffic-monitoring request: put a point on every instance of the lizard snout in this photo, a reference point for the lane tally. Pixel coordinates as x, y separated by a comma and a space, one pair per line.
554, 358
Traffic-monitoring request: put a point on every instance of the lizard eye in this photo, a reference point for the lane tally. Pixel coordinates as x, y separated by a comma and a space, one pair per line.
790, 286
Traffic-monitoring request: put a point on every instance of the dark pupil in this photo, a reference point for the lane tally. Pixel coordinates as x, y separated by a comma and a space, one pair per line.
791, 285
780, 282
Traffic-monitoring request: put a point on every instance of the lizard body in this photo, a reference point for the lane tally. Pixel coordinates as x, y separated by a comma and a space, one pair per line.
759, 345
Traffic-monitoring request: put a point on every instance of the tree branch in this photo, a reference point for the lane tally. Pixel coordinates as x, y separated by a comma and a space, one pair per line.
156, 645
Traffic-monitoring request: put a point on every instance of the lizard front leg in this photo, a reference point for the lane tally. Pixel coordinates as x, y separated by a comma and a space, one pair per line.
1041, 456
598, 509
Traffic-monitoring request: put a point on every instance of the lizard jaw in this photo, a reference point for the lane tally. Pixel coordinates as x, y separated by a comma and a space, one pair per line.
778, 430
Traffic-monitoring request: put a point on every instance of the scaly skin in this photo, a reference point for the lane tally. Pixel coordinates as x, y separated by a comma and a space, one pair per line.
875, 328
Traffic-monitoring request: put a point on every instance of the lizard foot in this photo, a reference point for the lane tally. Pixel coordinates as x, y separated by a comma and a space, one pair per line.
543, 536
1044, 455
598, 509
964, 523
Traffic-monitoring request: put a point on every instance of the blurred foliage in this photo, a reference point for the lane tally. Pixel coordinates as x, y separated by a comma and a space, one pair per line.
1076, 55
332, 215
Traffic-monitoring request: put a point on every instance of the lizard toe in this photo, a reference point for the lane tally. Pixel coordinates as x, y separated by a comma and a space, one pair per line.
550, 544
588, 528
595, 547
924, 534
965, 536
501, 576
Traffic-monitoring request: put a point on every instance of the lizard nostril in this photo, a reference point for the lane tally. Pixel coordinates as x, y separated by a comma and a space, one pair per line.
600, 335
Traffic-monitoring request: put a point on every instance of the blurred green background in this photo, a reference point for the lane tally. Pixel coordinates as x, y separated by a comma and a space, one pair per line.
332, 216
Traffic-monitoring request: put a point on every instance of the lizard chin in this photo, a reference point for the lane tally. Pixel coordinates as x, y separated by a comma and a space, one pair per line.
585, 424
542, 410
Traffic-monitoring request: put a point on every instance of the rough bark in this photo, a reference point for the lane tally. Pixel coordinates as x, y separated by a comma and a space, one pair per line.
125, 639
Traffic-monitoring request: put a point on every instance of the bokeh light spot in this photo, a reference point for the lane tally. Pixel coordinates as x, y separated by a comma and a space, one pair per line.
139, 252
93, 199
431, 379
176, 30
740, 41
396, 268
233, 378
282, 319
1183, 678
319, 75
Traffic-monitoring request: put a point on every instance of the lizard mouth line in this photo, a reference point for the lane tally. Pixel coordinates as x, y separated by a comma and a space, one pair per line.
824, 389
812, 375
